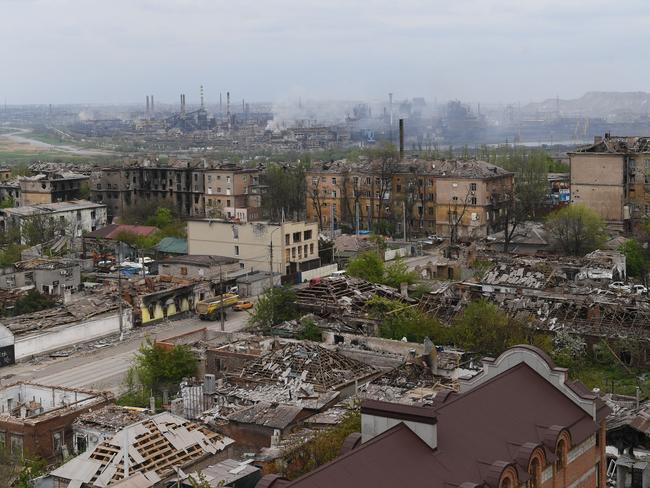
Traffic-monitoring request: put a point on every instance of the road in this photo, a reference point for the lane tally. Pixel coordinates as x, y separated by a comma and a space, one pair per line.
21, 136
105, 368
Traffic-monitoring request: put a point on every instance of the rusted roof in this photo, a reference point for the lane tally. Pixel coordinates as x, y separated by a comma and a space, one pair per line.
111, 231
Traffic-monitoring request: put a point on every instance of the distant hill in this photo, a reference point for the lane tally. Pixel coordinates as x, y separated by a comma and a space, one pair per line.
596, 104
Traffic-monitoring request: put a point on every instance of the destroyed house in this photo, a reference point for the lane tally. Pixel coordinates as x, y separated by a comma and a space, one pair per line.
520, 421
142, 455
88, 318
309, 363
96, 426
49, 276
36, 420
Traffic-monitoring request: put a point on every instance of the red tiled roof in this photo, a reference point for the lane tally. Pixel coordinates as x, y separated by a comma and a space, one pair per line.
111, 231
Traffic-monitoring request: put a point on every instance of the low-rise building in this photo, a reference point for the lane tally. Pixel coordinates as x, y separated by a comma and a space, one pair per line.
287, 247
49, 276
51, 187
197, 267
36, 420
144, 454
69, 218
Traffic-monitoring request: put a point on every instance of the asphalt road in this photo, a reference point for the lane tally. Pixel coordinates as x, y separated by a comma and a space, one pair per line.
104, 368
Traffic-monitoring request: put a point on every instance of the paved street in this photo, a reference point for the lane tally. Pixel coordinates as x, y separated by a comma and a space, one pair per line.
104, 368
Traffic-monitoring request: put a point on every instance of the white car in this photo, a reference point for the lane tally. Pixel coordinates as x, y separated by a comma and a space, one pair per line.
639, 289
620, 286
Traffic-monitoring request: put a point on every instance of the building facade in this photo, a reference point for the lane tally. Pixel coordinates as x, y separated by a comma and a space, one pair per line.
71, 218
51, 187
191, 189
612, 177
287, 247
443, 197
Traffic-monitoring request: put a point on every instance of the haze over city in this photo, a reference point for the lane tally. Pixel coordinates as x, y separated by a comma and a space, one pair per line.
79, 51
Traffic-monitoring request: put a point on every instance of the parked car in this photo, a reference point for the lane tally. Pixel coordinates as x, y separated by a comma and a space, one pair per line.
639, 289
435, 238
620, 286
242, 305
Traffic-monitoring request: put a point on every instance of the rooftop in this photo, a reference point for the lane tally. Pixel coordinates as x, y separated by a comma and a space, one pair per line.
151, 448
46, 208
617, 145
199, 260
34, 402
111, 231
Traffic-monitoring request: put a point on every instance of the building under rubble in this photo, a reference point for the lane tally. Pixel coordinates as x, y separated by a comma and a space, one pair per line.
143, 454
37, 419
86, 319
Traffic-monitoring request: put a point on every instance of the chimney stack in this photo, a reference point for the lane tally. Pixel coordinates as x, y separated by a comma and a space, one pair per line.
147, 104
228, 105
151, 103
401, 139
377, 417
202, 106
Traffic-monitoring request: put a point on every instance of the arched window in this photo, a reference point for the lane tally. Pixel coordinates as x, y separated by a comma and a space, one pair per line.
506, 483
535, 473
561, 454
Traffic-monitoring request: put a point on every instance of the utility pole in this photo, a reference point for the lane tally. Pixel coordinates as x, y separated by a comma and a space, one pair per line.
356, 217
271, 291
404, 218
119, 292
223, 325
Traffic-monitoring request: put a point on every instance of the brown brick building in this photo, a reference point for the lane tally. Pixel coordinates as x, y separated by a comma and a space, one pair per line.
36, 420
442, 197
520, 422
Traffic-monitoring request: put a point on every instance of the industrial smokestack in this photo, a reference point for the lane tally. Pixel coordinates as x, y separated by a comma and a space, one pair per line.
220, 104
147, 104
202, 97
151, 103
390, 109
243, 106
228, 104
401, 139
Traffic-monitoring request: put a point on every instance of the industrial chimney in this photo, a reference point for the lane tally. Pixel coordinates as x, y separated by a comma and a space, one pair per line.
147, 105
151, 103
401, 139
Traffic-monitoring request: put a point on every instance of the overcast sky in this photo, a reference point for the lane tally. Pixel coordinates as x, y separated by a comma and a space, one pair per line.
94, 51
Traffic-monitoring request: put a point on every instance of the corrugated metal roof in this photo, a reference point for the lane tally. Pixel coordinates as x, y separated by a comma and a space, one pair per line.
172, 245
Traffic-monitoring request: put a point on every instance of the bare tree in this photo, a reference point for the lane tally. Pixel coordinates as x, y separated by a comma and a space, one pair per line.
315, 196
385, 164
455, 217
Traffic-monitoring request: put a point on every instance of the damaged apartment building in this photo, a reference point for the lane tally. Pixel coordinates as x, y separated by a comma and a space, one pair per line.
46, 275
462, 198
612, 177
191, 188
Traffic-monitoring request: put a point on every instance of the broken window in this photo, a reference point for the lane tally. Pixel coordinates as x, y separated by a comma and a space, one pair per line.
16, 444
183, 270
57, 441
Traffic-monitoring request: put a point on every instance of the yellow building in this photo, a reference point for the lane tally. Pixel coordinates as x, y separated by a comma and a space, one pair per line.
442, 197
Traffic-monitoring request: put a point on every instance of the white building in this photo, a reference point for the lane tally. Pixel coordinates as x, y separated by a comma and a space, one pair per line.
76, 216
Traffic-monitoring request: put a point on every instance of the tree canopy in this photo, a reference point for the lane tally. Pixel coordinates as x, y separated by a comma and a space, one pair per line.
155, 367
636, 258
576, 229
275, 305
370, 266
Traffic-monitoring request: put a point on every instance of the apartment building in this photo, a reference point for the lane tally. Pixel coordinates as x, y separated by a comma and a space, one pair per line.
51, 187
5, 174
287, 247
232, 192
75, 217
192, 189
443, 197
612, 177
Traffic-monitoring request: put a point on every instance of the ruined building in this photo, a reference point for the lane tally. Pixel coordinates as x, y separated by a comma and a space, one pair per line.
612, 177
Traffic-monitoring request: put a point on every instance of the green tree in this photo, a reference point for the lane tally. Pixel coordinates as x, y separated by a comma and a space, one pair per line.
309, 331
275, 305
320, 449
11, 254
397, 272
84, 191
485, 328
8, 202
32, 302
399, 320
576, 229
286, 187
636, 258
155, 367
368, 266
